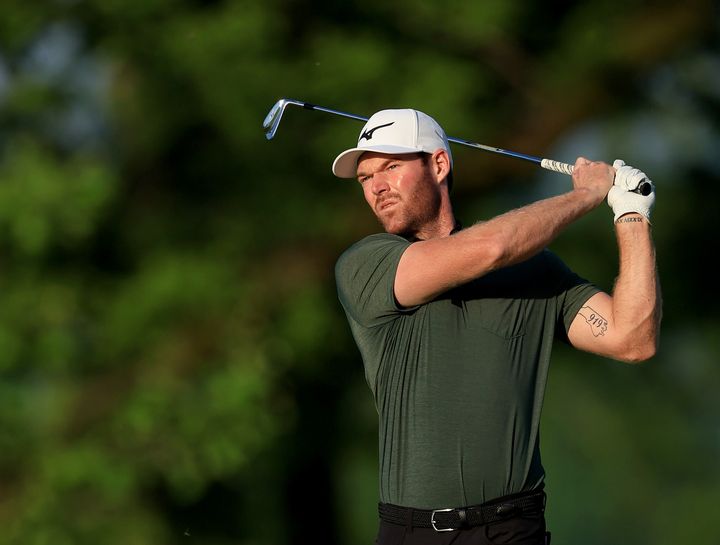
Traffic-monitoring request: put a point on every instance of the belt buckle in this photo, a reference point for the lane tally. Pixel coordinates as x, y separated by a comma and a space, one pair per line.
432, 520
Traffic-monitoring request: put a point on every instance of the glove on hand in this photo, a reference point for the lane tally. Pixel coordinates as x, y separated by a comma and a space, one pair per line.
622, 198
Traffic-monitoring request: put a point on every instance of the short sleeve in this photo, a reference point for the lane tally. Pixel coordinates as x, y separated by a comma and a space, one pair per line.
365, 278
575, 291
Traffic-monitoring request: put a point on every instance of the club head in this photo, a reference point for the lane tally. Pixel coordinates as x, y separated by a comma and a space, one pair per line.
272, 119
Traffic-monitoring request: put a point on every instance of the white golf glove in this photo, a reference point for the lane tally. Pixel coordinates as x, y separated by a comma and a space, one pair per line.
622, 197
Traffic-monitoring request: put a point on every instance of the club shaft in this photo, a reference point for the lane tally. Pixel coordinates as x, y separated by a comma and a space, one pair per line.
644, 188
309, 106
468, 143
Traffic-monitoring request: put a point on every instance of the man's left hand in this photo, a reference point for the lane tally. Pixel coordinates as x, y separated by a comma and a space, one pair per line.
622, 197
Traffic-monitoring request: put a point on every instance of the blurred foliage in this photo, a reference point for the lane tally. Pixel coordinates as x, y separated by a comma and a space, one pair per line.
174, 366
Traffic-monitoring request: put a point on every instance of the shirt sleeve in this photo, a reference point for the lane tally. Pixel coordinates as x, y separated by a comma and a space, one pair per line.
365, 278
574, 293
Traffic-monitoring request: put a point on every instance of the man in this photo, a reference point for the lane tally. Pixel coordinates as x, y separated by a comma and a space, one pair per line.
455, 328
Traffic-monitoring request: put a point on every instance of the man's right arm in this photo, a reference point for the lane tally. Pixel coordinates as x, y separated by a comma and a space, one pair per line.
431, 267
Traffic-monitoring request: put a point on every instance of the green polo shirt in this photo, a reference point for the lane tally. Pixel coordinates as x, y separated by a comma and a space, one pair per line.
458, 382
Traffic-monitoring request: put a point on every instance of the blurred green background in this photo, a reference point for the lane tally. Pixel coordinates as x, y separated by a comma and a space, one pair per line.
174, 365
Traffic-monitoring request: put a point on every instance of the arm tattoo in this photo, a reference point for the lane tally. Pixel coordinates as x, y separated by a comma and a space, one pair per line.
597, 323
629, 219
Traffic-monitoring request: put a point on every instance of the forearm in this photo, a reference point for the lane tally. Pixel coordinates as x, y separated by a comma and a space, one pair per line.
431, 267
637, 302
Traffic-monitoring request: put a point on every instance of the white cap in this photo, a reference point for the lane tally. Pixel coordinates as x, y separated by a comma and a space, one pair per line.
393, 132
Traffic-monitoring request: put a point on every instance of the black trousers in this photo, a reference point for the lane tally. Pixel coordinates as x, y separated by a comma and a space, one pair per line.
512, 531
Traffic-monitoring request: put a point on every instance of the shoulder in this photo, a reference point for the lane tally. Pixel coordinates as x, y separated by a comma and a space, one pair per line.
365, 278
372, 247
377, 239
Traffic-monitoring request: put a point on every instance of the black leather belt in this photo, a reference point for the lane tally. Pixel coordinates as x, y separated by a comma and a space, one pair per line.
447, 520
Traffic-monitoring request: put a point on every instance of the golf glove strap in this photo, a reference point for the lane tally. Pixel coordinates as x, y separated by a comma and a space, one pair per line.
622, 198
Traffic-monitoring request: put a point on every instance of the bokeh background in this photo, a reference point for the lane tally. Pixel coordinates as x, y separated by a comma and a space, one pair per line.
174, 365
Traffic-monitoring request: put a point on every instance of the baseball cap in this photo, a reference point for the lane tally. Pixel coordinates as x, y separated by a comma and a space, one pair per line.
393, 132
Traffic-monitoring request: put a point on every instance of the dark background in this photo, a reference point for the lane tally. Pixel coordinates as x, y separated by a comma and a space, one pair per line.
174, 364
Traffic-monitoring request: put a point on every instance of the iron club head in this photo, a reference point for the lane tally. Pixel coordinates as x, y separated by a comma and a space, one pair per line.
272, 119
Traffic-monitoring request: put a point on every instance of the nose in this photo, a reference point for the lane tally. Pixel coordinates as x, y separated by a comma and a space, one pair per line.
379, 184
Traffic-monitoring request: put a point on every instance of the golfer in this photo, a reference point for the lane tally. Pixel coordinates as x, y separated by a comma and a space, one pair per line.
455, 327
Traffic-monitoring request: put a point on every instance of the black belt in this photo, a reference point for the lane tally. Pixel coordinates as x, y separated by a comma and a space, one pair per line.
447, 520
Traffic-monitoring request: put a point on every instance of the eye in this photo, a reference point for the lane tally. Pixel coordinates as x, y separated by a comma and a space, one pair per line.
392, 166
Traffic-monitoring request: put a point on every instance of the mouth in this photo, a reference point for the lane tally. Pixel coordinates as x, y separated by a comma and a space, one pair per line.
384, 205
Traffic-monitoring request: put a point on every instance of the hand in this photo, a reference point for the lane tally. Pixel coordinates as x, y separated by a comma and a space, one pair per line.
622, 197
593, 176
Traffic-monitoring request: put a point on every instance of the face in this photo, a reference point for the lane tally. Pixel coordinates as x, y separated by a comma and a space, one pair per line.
400, 190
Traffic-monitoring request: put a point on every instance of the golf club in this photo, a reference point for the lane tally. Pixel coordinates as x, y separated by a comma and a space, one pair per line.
272, 121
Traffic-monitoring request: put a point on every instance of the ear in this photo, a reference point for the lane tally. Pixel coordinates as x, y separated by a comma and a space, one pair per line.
440, 164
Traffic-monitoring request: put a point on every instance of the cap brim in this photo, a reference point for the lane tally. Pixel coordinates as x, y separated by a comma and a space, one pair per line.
345, 164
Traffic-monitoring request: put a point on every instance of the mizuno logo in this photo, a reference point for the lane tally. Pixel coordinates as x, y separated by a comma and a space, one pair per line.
368, 134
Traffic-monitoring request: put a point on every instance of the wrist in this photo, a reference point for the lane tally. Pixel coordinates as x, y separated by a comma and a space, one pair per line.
631, 217
590, 197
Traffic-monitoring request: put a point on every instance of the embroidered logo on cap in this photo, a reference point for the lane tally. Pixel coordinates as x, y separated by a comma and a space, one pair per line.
368, 134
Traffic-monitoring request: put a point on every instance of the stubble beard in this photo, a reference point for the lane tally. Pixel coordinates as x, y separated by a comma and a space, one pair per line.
410, 218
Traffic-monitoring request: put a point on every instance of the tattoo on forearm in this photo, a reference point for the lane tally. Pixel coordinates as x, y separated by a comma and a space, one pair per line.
629, 219
597, 323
